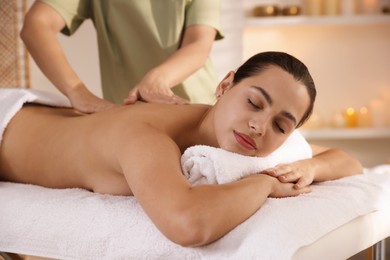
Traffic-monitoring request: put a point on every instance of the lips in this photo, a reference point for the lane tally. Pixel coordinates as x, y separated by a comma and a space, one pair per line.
245, 141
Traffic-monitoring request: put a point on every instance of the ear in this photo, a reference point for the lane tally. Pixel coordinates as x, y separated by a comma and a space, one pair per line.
225, 84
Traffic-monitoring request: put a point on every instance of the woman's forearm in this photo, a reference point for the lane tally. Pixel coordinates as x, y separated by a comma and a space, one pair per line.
200, 215
333, 164
190, 57
220, 209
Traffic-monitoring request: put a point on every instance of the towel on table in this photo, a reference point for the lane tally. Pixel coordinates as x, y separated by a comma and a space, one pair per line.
78, 224
12, 100
208, 165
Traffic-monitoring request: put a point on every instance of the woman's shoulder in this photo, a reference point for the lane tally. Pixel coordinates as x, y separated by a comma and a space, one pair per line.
165, 110
167, 118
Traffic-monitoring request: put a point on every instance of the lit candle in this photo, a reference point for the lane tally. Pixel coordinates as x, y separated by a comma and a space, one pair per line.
364, 119
313, 122
338, 120
350, 117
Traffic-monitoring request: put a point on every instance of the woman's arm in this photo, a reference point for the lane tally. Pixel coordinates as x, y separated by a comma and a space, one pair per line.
39, 33
191, 56
190, 216
326, 164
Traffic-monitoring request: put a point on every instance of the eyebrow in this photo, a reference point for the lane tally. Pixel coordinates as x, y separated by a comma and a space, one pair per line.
270, 102
265, 94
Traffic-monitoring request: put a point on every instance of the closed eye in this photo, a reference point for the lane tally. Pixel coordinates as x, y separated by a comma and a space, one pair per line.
250, 102
279, 128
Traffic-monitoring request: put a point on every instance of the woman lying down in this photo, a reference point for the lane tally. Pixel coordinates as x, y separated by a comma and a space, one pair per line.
135, 150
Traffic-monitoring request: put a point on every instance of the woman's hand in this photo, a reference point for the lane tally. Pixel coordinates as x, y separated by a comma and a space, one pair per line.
86, 102
281, 190
153, 89
193, 53
299, 173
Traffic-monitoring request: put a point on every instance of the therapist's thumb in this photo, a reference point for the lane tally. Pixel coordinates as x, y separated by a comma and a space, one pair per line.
132, 98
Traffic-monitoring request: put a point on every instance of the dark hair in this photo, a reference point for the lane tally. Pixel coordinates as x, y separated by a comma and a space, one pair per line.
257, 63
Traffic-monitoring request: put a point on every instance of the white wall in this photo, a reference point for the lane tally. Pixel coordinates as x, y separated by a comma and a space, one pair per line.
227, 53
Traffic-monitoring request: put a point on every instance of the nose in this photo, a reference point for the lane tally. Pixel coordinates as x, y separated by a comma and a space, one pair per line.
258, 125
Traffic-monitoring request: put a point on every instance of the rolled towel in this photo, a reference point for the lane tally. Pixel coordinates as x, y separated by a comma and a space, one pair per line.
209, 165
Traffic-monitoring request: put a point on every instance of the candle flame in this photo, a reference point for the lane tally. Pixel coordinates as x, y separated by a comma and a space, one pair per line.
363, 110
350, 111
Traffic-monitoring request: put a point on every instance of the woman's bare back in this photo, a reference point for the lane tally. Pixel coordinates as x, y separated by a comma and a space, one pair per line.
60, 148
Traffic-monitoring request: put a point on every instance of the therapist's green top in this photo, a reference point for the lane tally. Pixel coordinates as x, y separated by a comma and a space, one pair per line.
136, 35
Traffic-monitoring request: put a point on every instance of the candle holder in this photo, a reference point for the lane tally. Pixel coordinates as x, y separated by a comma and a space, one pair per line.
291, 10
338, 121
364, 119
350, 117
265, 10
386, 9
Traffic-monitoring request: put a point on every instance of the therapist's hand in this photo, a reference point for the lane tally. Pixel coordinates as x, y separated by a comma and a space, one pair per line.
86, 102
153, 89
300, 173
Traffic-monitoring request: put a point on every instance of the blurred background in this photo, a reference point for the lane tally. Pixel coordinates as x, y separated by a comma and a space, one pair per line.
345, 44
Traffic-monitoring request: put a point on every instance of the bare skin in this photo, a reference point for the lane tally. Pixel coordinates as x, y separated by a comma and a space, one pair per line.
136, 150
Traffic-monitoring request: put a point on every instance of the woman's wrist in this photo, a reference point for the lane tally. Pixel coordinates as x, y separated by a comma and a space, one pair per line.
156, 77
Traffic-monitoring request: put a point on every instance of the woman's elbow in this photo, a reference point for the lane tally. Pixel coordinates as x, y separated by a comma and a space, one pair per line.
358, 167
189, 230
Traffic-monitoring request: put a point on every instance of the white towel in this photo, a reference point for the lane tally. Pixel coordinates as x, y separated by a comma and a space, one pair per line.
208, 165
77, 224
12, 100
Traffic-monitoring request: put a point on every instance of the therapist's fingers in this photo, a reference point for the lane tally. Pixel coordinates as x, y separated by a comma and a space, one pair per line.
132, 98
93, 107
176, 100
91, 104
161, 98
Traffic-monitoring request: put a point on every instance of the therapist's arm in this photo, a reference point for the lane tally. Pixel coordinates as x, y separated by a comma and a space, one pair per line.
191, 56
39, 33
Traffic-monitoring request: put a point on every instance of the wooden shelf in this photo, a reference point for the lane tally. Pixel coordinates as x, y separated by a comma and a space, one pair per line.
346, 133
317, 20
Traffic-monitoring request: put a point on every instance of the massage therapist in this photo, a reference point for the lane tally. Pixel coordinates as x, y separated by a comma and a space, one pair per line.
154, 51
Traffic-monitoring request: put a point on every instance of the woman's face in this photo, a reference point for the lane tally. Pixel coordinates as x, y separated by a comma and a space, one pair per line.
257, 115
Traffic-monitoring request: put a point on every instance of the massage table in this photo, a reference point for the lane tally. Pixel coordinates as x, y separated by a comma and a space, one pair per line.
335, 221
361, 233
